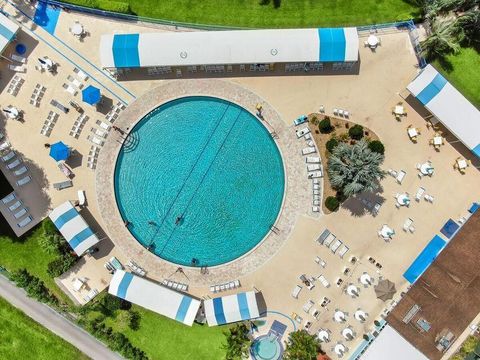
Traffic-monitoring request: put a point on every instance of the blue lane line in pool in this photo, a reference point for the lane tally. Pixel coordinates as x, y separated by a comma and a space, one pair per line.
189, 173
79, 55
46, 17
202, 179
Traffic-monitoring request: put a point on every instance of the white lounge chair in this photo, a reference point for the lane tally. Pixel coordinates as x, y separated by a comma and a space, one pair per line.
329, 239
308, 305
9, 198
19, 59
20, 171
23, 181
302, 132
103, 125
20, 213
95, 140
315, 174
312, 160
343, 250
20, 68
70, 89
14, 164
81, 197
296, 291
308, 150
407, 224
15, 206
336, 245
313, 167
400, 176
315, 209
323, 281
9, 156
25, 221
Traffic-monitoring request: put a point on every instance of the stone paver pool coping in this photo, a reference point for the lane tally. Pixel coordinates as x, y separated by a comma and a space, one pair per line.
297, 198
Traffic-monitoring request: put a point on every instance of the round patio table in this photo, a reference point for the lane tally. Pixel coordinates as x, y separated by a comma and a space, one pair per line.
372, 41
366, 279
426, 169
13, 112
77, 29
339, 316
403, 199
360, 315
323, 335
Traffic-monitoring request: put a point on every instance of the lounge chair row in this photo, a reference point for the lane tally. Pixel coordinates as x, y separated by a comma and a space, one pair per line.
13, 166
49, 124
114, 112
316, 195
92, 157
175, 285
398, 175
18, 68
342, 113
99, 132
90, 295
17, 58
15, 206
15, 85
159, 70
330, 241
78, 125
135, 268
37, 95
95, 140
80, 74
224, 287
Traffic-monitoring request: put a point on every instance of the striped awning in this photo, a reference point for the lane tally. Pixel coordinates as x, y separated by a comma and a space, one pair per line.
231, 308
8, 31
229, 47
73, 228
449, 106
154, 297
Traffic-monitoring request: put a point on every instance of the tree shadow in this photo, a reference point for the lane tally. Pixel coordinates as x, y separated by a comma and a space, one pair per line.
364, 203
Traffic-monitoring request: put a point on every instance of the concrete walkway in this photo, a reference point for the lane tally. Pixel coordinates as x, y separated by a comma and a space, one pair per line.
55, 322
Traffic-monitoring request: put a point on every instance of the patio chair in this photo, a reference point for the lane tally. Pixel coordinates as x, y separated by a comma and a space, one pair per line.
400, 176
25, 221
9, 198
23, 181
296, 291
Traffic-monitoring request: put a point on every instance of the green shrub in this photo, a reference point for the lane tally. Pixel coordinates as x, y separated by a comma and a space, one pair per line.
115, 6
376, 146
33, 286
60, 265
330, 145
356, 132
325, 126
134, 320
332, 203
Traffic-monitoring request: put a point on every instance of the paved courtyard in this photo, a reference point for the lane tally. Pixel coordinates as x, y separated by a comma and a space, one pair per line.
369, 96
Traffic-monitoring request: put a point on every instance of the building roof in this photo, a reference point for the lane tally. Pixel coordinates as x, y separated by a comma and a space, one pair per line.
154, 297
73, 228
392, 343
449, 106
445, 298
228, 47
8, 31
231, 308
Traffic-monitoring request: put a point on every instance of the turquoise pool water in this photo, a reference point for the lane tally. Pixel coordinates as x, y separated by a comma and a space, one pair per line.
266, 348
200, 178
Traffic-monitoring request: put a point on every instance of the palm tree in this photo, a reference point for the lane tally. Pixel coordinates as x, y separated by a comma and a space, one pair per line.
470, 23
238, 342
444, 38
301, 346
354, 168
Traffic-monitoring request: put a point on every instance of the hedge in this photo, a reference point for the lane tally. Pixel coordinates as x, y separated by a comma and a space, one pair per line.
331, 144
332, 203
377, 146
325, 126
107, 5
356, 132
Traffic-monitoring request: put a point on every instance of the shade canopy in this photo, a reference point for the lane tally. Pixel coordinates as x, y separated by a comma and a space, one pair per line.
229, 47
73, 228
91, 95
231, 308
449, 106
8, 31
385, 289
154, 297
59, 151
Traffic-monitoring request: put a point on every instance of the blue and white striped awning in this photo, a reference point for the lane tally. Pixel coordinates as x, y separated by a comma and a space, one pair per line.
73, 228
449, 106
8, 31
229, 47
231, 308
154, 297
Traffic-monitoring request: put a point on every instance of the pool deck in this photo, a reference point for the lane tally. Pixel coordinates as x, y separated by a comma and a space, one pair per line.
369, 96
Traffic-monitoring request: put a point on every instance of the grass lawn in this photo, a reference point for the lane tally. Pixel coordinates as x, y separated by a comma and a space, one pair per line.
289, 13
162, 338
27, 254
23, 338
462, 70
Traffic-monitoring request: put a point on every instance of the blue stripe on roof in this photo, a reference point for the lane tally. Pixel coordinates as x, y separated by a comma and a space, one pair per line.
243, 306
424, 259
183, 308
476, 150
124, 284
6, 33
80, 237
65, 217
125, 50
332, 44
432, 89
218, 310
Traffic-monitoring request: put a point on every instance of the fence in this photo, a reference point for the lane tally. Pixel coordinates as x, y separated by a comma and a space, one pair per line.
395, 26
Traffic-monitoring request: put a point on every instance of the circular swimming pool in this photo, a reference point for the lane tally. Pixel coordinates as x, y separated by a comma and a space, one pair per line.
199, 181
266, 347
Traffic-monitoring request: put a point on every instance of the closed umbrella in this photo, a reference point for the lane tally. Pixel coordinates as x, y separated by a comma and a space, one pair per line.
385, 290
91, 95
59, 151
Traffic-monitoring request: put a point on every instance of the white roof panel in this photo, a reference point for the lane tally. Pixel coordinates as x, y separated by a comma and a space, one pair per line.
8, 30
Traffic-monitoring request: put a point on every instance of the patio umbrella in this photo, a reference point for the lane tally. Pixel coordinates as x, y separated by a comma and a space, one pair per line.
385, 290
59, 151
91, 95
